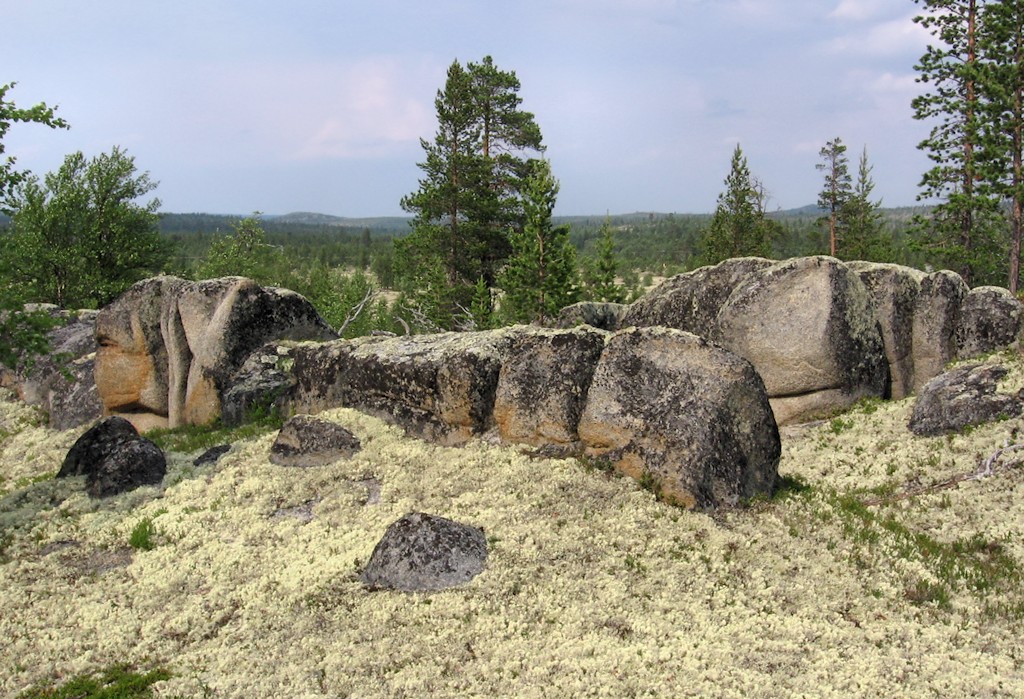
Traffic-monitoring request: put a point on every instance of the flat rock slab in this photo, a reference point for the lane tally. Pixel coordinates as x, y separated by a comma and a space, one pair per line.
308, 441
422, 553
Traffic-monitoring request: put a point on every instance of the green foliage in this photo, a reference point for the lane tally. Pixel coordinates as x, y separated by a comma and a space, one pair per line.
245, 253
80, 239
468, 199
541, 276
116, 682
10, 177
863, 237
739, 227
142, 536
23, 333
187, 439
602, 275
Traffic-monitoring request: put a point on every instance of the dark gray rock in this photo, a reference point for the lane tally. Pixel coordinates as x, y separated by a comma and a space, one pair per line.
308, 441
604, 316
683, 415
990, 320
966, 395
422, 552
211, 455
114, 459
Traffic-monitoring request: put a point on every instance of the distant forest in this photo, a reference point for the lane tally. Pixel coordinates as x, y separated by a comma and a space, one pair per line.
655, 244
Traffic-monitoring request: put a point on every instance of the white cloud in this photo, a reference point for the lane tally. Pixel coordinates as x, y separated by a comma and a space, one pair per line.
859, 10
883, 39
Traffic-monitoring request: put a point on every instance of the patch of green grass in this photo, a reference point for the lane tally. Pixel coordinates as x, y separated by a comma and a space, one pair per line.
191, 438
116, 682
143, 535
838, 425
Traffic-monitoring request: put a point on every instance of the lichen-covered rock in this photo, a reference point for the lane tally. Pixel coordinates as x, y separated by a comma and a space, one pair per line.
894, 290
61, 382
966, 395
543, 383
808, 327
691, 301
260, 385
936, 318
692, 419
990, 319
114, 459
307, 441
605, 316
425, 553
440, 387
168, 347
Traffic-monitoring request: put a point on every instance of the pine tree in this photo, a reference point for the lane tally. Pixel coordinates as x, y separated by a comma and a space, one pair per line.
1001, 86
965, 230
861, 221
739, 227
541, 276
603, 282
836, 192
468, 199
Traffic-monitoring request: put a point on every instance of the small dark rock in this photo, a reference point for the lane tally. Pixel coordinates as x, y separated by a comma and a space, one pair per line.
422, 552
114, 459
961, 397
211, 455
308, 441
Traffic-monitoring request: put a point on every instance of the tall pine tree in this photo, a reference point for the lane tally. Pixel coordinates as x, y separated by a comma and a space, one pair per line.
838, 186
469, 197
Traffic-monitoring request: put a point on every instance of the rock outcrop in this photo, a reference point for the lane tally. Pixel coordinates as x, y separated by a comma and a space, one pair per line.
597, 314
936, 317
426, 553
167, 346
114, 459
966, 395
659, 403
684, 416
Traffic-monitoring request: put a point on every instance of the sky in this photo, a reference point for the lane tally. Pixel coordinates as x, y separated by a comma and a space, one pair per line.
320, 105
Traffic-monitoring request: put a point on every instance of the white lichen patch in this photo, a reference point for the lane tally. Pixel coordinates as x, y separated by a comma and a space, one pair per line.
848, 585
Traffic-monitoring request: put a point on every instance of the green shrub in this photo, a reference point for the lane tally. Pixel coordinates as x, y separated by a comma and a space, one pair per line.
116, 682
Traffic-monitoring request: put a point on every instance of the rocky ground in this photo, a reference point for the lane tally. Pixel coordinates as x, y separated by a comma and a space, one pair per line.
889, 565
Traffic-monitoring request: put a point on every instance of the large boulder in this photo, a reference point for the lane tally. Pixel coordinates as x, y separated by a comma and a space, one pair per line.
425, 553
167, 347
691, 301
936, 317
114, 459
966, 395
543, 383
809, 328
990, 319
894, 290
683, 415
440, 387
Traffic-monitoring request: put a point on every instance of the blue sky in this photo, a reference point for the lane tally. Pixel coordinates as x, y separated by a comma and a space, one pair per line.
319, 105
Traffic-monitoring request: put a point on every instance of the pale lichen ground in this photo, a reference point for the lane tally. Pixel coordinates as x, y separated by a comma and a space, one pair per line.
592, 587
